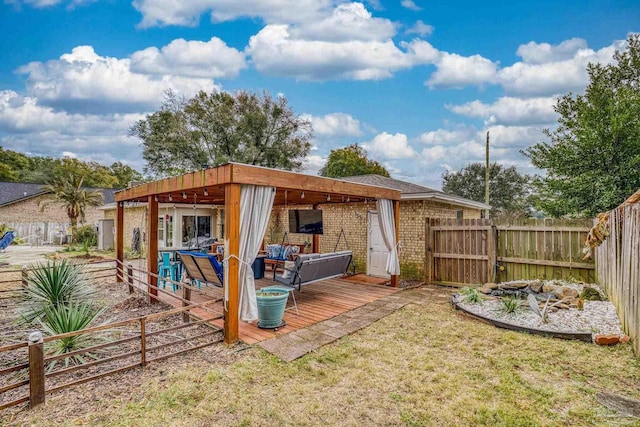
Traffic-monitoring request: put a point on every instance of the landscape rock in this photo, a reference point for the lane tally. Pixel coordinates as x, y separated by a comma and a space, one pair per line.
490, 286
551, 289
624, 339
536, 285
590, 294
609, 339
568, 292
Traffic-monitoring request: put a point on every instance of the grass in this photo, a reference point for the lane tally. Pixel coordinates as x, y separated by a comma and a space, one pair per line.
421, 366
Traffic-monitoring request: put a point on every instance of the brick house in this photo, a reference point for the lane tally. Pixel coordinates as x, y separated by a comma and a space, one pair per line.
360, 224
20, 210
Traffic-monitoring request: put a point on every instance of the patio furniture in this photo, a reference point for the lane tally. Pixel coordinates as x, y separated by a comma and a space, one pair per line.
202, 268
168, 269
277, 254
310, 268
6, 240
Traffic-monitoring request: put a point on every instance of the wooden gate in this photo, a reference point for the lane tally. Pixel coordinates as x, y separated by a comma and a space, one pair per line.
474, 251
460, 251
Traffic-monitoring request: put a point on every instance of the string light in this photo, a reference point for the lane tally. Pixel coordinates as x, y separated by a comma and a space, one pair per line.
156, 198
170, 197
206, 193
328, 197
302, 195
184, 194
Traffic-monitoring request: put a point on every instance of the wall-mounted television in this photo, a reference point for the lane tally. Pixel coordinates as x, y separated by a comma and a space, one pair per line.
306, 221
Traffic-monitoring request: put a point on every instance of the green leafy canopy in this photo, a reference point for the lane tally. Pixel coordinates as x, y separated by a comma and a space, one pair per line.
592, 160
351, 161
219, 127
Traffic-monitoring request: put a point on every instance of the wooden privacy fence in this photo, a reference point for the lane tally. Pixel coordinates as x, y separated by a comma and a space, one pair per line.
473, 251
34, 372
618, 268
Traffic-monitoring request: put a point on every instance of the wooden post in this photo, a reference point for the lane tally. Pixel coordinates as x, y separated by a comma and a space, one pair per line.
428, 252
492, 252
152, 245
395, 279
25, 276
119, 240
232, 249
186, 295
143, 342
130, 277
36, 369
315, 242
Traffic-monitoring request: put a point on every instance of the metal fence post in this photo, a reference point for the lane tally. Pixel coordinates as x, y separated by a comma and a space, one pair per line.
36, 369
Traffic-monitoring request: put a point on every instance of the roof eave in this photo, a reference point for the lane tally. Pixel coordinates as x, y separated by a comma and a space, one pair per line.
445, 198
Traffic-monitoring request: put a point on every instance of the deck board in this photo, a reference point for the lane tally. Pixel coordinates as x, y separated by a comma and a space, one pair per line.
316, 302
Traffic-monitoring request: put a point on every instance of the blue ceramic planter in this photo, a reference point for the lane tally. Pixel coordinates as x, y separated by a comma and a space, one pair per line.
271, 305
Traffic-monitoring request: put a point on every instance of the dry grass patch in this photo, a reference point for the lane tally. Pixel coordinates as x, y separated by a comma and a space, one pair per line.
423, 365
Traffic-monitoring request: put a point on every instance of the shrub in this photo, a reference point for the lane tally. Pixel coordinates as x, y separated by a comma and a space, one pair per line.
471, 295
54, 284
69, 318
88, 234
511, 305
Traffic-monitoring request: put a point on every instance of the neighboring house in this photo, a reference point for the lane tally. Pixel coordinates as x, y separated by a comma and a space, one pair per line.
20, 209
360, 223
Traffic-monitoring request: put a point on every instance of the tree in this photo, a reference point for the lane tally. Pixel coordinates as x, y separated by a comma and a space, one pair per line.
124, 174
592, 159
351, 161
68, 191
11, 163
509, 191
216, 128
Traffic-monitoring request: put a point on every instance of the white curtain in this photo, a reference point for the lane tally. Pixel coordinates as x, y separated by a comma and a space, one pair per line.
386, 220
256, 203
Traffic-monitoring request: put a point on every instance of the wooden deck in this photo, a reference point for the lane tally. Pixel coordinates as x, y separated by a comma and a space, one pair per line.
317, 302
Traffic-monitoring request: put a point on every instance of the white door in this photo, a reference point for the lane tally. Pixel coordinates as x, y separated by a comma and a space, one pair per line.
377, 255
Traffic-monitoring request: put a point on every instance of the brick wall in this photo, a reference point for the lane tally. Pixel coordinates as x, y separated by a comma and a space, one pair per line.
353, 218
28, 211
134, 217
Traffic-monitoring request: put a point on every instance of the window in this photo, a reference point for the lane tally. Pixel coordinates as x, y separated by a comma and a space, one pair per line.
161, 228
189, 227
459, 214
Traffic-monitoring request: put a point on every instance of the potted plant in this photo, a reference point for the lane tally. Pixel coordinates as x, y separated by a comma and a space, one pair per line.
271, 305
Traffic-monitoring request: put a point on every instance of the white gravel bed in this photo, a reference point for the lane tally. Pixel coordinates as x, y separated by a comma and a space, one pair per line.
597, 317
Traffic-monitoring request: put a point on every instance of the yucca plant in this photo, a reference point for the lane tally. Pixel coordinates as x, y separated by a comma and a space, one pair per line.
511, 305
69, 318
54, 284
471, 295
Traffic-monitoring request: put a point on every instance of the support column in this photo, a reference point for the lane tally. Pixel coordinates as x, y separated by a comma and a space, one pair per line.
120, 240
315, 244
152, 245
231, 251
395, 279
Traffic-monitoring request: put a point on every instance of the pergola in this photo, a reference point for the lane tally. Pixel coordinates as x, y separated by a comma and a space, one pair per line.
222, 185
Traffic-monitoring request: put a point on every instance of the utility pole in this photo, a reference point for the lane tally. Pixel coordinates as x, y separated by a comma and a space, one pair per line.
486, 179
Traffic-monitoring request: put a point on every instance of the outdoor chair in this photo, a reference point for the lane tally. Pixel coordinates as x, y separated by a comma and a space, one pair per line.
202, 268
168, 269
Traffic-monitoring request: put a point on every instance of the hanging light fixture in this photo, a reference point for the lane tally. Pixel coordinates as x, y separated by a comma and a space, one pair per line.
328, 197
206, 193
302, 195
184, 194
170, 197
156, 198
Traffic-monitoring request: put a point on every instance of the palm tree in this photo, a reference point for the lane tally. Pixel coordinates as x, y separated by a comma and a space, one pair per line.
67, 190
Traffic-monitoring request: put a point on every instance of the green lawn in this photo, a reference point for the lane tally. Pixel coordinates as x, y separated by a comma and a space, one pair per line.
423, 365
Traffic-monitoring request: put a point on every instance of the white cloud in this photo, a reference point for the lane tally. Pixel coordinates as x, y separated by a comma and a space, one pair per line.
347, 22
510, 110
212, 59
184, 13
39, 4
83, 80
444, 136
540, 53
28, 127
456, 71
274, 51
386, 146
420, 28
335, 124
410, 4
313, 163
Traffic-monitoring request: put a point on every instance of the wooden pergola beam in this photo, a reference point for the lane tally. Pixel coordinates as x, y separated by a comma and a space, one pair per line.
120, 240
152, 245
232, 246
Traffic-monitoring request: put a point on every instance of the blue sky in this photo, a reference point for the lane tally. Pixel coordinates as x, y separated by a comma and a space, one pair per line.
417, 83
